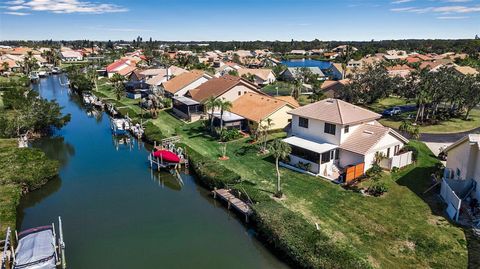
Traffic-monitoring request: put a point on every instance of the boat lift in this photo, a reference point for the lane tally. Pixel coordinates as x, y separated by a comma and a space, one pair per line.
36, 248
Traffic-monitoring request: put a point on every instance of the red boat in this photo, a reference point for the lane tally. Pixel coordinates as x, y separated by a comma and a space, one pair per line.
166, 156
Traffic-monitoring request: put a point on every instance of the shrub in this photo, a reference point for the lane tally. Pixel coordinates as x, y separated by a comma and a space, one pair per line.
153, 133
412, 149
229, 135
377, 189
374, 171
395, 170
210, 172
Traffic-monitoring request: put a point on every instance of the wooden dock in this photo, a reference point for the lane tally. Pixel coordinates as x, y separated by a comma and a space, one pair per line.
233, 201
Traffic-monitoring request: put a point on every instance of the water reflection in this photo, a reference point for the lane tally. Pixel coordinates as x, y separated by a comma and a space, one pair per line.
172, 179
56, 148
35, 197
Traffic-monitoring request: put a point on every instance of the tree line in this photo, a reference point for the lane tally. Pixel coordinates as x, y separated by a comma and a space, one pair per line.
439, 95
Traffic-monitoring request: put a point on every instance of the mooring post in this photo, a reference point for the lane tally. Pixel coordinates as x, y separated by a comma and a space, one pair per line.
214, 192
229, 203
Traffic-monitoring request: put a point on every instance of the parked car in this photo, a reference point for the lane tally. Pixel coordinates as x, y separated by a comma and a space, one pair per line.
392, 111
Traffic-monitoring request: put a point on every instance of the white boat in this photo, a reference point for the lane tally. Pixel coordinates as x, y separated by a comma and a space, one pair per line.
120, 126
42, 74
34, 77
56, 70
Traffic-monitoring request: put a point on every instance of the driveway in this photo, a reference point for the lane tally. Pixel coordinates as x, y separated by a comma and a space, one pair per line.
445, 138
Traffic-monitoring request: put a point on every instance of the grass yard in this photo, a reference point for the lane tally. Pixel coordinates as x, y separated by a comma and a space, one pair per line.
402, 229
450, 126
284, 88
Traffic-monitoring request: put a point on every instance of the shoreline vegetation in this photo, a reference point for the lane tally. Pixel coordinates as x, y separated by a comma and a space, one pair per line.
23, 170
401, 229
23, 112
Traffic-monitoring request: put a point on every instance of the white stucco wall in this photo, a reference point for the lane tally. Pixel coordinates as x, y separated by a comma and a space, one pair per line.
458, 159
232, 94
314, 168
191, 86
315, 131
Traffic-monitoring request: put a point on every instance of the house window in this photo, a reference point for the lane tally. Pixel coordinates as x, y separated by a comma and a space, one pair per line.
239, 93
347, 129
332, 155
396, 149
388, 153
303, 122
337, 154
330, 128
245, 92
325, 157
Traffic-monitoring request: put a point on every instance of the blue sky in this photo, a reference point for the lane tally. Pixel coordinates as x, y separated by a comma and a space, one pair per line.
238, 19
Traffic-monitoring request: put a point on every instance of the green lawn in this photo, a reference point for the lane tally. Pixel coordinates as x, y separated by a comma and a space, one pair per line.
450, 126
402, 229
284, 88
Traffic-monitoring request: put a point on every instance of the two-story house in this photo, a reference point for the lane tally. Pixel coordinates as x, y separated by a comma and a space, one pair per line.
331, 134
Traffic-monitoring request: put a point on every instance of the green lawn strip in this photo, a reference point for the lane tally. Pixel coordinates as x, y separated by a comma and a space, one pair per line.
389, 102
21, 169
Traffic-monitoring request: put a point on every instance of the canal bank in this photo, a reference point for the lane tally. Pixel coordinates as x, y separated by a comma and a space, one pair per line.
117, 213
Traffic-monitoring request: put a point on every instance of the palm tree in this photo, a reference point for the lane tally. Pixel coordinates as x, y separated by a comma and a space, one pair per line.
264, 129
117, 81
224, 105
211, 104
280, 150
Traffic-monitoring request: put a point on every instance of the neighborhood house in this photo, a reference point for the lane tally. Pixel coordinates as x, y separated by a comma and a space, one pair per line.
330, 135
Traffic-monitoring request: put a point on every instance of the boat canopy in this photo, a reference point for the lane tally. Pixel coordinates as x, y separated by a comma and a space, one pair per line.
36, 249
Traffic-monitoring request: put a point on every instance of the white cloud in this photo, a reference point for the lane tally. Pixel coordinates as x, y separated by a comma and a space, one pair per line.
396, 2
440, 9
16, 13
453, 17
65, 6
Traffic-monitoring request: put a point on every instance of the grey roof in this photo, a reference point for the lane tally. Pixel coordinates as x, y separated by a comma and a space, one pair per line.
185, 100
295, 71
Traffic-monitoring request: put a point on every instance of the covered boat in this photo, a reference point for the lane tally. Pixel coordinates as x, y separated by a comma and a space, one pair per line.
120, 126
166, 156
37, 248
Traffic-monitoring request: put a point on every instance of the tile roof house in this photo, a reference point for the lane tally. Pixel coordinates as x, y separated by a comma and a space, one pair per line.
333, 88
292, 73
227, 87
181, 84
252, 109
71, 56
332, 134
262, 76
122, 67
161, 76
399, 70
466, 70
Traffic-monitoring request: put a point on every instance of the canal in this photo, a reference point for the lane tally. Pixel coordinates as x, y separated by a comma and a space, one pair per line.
117, 214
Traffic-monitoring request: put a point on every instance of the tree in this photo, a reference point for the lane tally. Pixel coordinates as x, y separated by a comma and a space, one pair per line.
264, 128
118, 87
223, 105
279, 150
5, 66
211, 104
470, 88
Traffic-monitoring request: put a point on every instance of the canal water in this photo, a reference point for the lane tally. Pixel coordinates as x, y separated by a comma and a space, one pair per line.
118, 214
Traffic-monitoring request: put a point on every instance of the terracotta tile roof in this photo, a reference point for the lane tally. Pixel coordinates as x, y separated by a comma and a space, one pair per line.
429, 65
111, 67
466, 70
413, 60
328, 83
127, 70
290, 100
257, 107
217, 86
366, 136
179, 82
261, 73
399, 67
335, 111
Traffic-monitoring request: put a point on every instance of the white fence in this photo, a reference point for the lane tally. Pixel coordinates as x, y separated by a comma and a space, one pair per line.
399, 161
452, 192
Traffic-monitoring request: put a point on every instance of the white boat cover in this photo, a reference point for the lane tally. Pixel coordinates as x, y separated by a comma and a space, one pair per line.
36, 251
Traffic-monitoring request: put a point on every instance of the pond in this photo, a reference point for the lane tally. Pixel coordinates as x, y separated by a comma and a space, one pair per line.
117, 213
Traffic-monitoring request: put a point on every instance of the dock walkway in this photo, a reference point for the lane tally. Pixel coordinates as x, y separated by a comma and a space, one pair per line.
232, 200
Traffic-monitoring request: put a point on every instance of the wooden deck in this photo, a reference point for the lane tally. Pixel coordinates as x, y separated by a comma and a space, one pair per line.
233, 201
